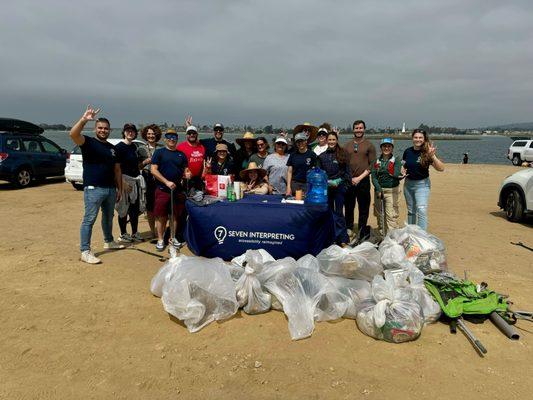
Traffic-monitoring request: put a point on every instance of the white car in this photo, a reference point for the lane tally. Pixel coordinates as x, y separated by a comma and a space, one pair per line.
74, 167
516, 195
520, 150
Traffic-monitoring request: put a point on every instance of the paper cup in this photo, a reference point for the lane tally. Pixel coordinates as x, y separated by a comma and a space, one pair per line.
237, 187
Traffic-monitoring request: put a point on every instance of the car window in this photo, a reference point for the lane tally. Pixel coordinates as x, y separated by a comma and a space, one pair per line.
32, 145
531, 144
519, 144
49, 147
13, 144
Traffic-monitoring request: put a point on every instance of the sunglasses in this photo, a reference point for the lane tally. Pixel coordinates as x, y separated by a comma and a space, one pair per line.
192, 133
419, 131
356, 147
219, 130
171, 138
261, 144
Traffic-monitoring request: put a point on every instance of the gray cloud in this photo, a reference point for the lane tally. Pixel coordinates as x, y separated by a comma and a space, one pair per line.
451, 63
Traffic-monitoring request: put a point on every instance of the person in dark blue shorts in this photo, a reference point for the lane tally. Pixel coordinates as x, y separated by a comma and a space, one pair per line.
102, 177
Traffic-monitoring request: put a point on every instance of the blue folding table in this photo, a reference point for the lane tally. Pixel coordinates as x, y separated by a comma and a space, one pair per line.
227, 229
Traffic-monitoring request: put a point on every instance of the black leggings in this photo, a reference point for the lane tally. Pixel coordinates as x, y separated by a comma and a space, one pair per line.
133, 213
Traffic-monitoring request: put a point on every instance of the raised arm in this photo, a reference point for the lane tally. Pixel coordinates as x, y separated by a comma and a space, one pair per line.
437, 164
75, 132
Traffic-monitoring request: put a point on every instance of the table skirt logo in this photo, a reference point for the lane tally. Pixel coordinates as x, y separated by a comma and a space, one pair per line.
220, 234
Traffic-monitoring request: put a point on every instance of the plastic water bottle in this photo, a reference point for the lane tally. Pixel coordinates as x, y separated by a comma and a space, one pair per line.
317, 187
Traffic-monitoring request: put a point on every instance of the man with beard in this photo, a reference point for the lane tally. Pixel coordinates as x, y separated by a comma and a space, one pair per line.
361, 154
218, 138
102, 182
195, 153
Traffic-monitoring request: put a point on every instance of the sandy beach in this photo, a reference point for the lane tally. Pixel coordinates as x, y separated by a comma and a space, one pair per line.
71, 330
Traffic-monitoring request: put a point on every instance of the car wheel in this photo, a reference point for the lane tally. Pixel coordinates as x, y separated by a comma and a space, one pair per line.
77, 186
22, 178
516, 160
514, 209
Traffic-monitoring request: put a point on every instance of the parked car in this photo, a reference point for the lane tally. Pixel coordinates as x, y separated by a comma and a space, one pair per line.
520, 150
26, 155
74, 167
516, 195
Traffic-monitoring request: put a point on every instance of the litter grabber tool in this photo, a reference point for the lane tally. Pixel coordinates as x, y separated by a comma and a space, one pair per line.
383, 215
475, 341
172, 249
159, 256
513, 316
522, 245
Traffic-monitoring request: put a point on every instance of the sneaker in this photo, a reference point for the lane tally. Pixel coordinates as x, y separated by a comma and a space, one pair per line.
125, 238
113, 246
137, 237
176, 243
160, 246
88, 257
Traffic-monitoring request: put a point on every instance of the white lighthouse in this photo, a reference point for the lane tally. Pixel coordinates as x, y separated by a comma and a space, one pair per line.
403, 128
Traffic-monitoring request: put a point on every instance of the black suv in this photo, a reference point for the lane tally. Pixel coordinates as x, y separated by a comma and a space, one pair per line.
26, 155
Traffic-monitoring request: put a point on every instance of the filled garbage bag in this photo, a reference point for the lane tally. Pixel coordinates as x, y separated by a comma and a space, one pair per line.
199, 292
165, 273
288, 290
391, 314
423, 249
270, 269
308, 261
392, 253
326, 302
249, 292
430, 308
360, 262
356, 290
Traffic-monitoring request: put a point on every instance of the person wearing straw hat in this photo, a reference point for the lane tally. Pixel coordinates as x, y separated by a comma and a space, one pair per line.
299, 162
310, 131
247, 148
276, 166
254, 179
386, 175
222, 165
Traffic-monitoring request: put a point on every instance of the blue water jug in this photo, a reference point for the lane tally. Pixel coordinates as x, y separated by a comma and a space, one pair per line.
317, 187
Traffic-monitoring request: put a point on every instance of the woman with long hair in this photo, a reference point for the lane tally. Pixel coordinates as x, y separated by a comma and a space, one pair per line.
152, 135
334, 161
416, 160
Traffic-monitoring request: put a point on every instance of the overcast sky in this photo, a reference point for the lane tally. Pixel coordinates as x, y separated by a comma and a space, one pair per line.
451, 63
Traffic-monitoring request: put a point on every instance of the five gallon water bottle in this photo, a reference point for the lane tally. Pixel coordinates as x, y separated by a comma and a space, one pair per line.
317, 187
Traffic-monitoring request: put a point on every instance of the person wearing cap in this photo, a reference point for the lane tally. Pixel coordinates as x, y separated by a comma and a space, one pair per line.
299, 162
151, 134
262, 151
102, 181
132, 186
210, 144
361, 154
276, 167
322, 137
222, 165
386, 175
310, 131
254, 180
169, 167
247, 148
195, 153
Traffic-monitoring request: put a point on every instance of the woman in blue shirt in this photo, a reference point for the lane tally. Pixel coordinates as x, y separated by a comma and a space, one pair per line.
416, 160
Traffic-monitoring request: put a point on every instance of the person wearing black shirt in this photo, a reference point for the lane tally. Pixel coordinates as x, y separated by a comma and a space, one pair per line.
299, 162
129, 164
102, 177
222, 165
218, 138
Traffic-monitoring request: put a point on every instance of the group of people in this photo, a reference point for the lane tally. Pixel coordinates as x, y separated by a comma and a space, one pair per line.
156, 177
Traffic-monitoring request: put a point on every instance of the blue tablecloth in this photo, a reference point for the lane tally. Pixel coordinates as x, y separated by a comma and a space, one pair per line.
228, 229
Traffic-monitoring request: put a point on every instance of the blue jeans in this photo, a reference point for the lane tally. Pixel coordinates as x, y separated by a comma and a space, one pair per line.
417, 200
94, 199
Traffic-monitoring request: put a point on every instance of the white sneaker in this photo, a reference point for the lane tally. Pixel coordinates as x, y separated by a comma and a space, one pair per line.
137, 237
125, 238
176, 243
113, 246
88, 257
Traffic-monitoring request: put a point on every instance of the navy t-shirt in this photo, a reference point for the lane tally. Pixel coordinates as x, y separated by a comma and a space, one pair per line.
210, 145
128, 158
171, 164
99, 159
415, 171
301, 163
224, 169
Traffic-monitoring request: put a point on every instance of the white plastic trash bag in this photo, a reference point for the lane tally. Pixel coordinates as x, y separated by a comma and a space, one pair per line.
199, 292
249, 292
414, 283
391, 315
164, 274
392, 253
356, 290
423, 249
325, 301
309, 262
361, 262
